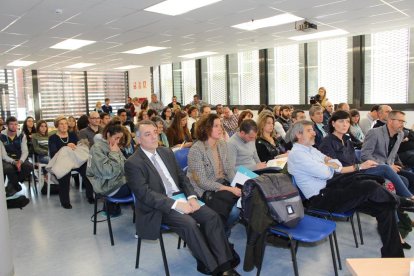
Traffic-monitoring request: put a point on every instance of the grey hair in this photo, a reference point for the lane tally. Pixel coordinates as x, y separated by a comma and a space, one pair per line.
144, 122
313, 109
297, 128
393, 114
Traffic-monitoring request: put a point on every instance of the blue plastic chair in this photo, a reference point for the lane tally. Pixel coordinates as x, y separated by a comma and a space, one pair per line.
309, 230
181, 156
129, 199
349, 215
358, 153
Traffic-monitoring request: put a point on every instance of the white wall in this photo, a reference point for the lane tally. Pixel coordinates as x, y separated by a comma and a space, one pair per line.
140, 82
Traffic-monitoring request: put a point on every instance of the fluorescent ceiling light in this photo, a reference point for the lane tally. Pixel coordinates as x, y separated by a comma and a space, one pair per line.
80, 65
176, 7
72, 44
128, 67
199, 54
144, 50
319, 35
21, 63
268, 22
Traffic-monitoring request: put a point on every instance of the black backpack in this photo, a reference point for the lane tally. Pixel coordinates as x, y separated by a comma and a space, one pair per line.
19, 202
282, 198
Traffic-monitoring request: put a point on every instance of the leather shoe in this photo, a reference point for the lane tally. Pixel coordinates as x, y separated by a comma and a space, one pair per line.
67, 206
236, 258
405, 245
230, 272
202, 268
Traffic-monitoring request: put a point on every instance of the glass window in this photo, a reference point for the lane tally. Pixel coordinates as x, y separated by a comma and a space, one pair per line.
244, 78
387, 67
8, 104
189, 86
166, 83
112, 85
214, 80
330, 66
156, 80
286, 74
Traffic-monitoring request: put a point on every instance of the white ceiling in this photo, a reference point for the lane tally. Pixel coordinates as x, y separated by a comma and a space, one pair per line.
29, 27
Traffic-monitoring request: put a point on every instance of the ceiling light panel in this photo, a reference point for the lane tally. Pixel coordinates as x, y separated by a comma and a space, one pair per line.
80, 65
268, 22
21, 63
72, 44
128, 67
318, 35
199, 54
144, 50
176, 7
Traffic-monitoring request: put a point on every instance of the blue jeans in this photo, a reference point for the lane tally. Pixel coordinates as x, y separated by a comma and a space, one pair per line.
387, 172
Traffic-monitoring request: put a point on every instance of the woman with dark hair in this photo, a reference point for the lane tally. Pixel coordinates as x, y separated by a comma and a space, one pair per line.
337, 144
83, 122
143, 115
41, 142
28, 130
105, 168
355, 128
167, 115
268, 146
72, 125
244, 115
144, 105
178, 134
209, 169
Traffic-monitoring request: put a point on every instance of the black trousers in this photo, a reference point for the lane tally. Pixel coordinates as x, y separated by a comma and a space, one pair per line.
64, 185
14, 176
368, 197
208, 241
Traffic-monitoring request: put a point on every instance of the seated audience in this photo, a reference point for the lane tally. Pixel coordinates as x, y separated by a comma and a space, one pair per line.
105, 168
244, 115
156, 104
174, 105
107, 108
105, 118
72, 126
178, 134
284, 120
383, 111
276, 111
143, 115
153, 175
355, 129
315, 176
162, 126
167, 115
242, 148
327, 113
368, 122
316, 114
122, 114
92, 129
268, 146
14, 153
343, 106
209, 170
98, 107
192, 116
381, 145
235, 110
229, 121
29, 129
41, 142
337, 144
64, 138
82, 122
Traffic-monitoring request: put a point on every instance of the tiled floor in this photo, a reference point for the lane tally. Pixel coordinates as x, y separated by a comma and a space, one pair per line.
49, 240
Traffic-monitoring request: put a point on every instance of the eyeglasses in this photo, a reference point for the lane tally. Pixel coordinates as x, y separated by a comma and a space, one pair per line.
401, 121
95, 118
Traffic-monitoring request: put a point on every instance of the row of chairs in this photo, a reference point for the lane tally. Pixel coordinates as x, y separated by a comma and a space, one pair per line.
310, 229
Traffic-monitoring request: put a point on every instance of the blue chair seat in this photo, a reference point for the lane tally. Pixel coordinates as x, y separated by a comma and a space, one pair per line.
128, 199
310, 229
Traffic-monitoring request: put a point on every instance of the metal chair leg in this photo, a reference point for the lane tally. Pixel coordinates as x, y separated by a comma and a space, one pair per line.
353, 231
138, 253
108, 219
95, 214
333, 255
359, 228
164, 257
293, 247
337, 250
179, 243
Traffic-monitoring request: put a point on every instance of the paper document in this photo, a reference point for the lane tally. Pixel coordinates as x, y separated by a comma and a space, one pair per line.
277, 162
242, 175
181, 197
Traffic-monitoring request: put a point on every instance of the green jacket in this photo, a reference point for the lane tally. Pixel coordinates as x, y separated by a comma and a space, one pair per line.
105, 168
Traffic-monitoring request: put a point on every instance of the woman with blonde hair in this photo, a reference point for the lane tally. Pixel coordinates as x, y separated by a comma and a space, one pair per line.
268, 146
322, 96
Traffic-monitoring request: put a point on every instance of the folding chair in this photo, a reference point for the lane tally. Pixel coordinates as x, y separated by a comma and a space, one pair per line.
182, 157
129, 199
309, 230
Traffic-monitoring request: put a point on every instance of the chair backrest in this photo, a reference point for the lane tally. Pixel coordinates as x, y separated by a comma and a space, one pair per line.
358, 155
296, 185
181, 156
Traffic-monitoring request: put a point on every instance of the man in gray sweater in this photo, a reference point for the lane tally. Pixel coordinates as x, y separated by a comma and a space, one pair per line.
242, 147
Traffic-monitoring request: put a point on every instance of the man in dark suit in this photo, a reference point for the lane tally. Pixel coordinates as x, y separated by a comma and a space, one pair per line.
153, 175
